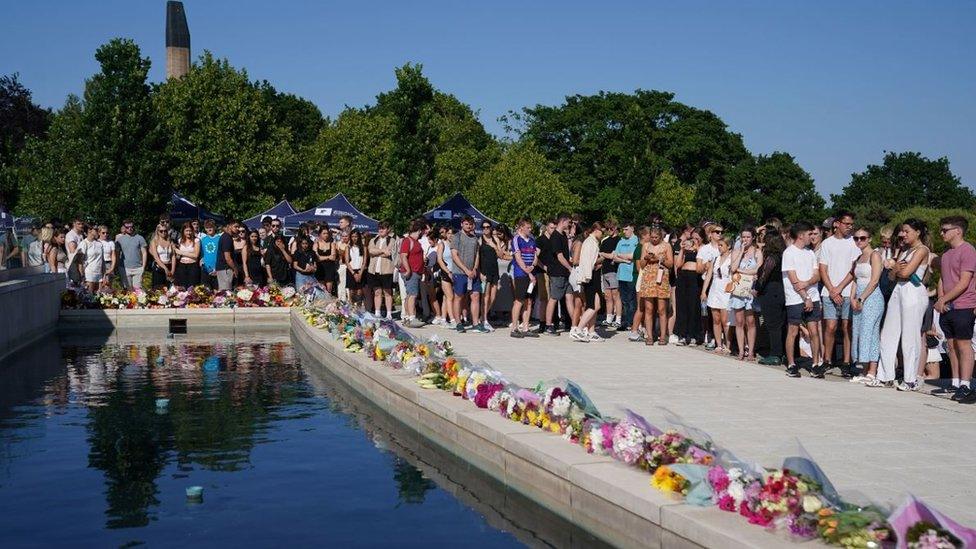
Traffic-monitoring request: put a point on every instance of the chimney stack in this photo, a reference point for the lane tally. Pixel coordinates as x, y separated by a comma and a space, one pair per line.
177, 41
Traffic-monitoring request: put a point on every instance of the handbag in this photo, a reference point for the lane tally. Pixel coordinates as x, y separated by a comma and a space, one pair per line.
742, 284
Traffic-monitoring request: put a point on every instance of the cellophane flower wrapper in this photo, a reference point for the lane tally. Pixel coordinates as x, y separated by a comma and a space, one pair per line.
913, 510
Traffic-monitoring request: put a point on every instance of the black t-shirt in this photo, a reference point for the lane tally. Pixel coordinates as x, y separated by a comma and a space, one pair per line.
557, 244
226, 244
608, 245
304, 259
542, 243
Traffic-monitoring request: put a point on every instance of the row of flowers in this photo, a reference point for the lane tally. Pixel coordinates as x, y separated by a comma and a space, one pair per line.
175, 298
796, 498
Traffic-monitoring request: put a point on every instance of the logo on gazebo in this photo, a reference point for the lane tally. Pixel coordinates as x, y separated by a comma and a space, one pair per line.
323, 211
441, 214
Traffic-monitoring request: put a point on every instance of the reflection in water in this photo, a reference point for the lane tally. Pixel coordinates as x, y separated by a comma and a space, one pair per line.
411, 484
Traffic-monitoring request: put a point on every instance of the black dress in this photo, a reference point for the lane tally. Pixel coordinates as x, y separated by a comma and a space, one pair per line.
488, 262
327, 270
255, 268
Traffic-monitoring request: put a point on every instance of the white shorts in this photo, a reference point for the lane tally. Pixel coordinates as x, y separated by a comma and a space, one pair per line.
93, 276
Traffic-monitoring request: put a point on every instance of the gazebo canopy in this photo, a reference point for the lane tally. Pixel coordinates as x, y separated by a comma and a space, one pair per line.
456, 207
182, 209
330, 211
280, 210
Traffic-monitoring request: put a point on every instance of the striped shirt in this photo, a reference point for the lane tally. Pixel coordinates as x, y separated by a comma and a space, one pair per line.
526, 248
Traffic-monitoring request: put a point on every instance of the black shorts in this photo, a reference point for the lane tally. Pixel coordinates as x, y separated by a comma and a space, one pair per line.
522, 287
351, 283
795, 315
381, 281
958, 323
591, 289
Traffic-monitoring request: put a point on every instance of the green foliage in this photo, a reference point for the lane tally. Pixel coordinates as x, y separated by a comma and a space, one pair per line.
355, 155
672, 199
520, 184
225, 147
613, 145
101, 158
20, 118
775, 186
931, 217
904, 180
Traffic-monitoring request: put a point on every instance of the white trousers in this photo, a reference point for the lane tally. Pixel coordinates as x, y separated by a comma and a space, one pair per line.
903, 322
341, 293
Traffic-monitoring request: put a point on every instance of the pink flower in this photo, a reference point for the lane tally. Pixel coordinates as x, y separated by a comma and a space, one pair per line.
726, 503
718, 478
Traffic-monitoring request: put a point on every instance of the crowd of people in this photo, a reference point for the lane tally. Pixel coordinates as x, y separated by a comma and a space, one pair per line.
791, 295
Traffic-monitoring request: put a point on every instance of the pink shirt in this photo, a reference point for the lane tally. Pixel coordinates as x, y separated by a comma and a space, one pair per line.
956, 261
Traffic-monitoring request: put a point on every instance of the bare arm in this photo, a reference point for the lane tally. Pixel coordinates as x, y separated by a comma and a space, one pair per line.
904, 269
876, 269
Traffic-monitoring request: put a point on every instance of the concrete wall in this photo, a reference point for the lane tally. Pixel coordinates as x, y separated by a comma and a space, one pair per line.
196, 319
29, 307
614, 502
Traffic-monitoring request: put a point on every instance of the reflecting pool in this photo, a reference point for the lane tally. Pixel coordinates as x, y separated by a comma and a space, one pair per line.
100, 438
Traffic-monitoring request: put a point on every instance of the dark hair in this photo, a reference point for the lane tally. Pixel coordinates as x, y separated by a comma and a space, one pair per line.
209, 223
128, 221
266, 219
467, 219
506, 233
774, 243
800, 227
382, 225
918, 225
183, 229
956, 221
347, 218
416, 225
841, 214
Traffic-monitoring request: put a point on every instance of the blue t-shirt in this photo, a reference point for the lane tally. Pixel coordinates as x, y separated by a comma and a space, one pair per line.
626, 247
525, 247
208, 245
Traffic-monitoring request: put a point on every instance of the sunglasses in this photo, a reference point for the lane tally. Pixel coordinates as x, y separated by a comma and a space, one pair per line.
944, 230
861, 238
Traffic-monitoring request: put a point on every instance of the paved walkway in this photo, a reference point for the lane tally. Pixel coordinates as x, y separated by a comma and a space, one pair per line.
880, 443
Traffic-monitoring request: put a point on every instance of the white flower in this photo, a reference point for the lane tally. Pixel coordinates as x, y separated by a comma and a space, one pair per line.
287, 292
596, 440
244, 294
811, 504
560, 406
495, 402
737, 490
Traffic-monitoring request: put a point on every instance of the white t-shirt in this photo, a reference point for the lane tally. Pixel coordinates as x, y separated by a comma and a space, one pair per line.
70, 237
108, 246
839, 255
803, 263
706, 254
94, 256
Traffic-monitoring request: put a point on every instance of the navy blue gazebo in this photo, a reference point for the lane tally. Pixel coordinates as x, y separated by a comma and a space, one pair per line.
330, 211
6, 219
280, 210
181, 209
456, 207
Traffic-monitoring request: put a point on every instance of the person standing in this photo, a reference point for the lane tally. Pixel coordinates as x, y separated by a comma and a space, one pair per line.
906, 308
623, 258
800, 277
608, 273
867, 307
412, 273
92, 259
489, 250
445, 262
277, 262
655, 262
57, 257
164, 260
380, 270
771, 295
208, 250
589, 280
706, 256
525, 263
745, 266
303, 262
687, 324
134, 254
225, 269
956, 303
837, 255
187, 273
109, 256
254, 274
467, 281
545, 260
716, 293
558, 273
354, 260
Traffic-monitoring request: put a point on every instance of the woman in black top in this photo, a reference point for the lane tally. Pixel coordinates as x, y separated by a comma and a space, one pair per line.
772, 301
488, 262
326, 255
251, 254
687, 324
277, 262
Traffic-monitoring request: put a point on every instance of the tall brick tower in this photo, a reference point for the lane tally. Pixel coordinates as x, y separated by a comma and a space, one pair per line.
177, 41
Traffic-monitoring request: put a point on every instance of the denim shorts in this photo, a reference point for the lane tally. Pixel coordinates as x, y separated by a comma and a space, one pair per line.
833, 311
412, 285
795, 314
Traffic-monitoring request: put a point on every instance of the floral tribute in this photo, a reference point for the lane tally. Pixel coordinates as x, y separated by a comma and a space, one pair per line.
199, 297
802, 504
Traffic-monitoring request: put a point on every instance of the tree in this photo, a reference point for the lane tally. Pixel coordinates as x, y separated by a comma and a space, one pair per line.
520, 184
776, 186
355, 155
610, 147
672, 199
904, 180
20, 118
225, 147
101, 159
931, 217
301, 116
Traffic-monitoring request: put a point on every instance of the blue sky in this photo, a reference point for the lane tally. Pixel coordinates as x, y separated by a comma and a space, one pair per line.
833, 83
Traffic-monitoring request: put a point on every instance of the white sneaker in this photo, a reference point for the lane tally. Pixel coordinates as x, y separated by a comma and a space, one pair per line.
449, 325
579, 335
634, 336
673, 338
595, 337
488, 326
437, 321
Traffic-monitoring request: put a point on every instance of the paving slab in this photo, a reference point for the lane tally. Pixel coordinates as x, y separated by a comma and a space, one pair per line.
876, 443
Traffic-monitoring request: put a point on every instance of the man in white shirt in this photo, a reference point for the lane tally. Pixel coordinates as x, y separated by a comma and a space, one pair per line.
837, 255
800, 277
